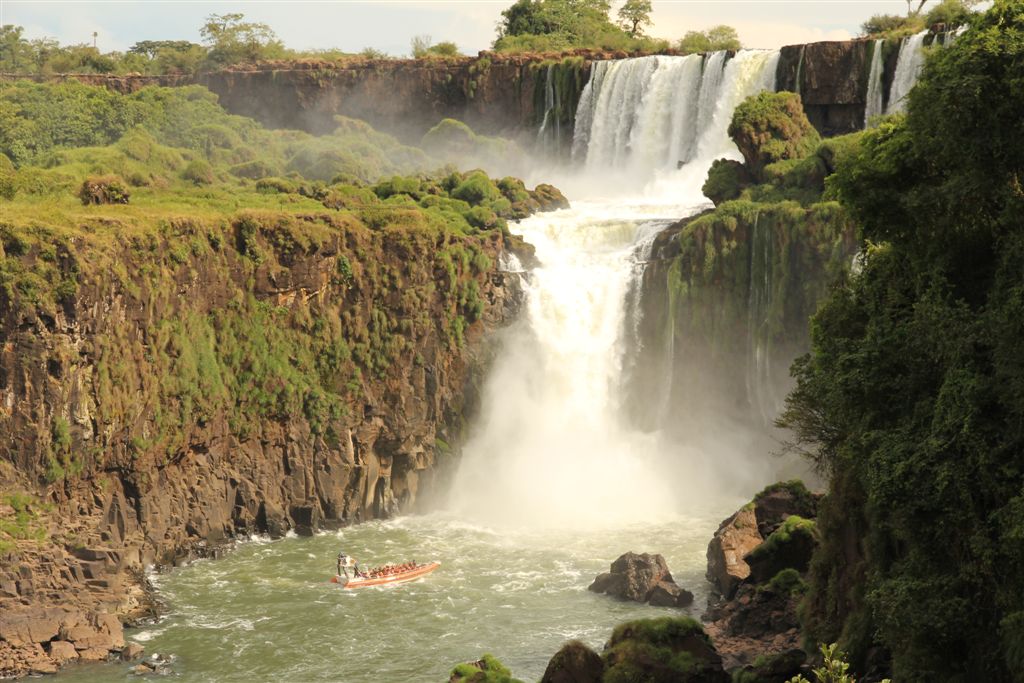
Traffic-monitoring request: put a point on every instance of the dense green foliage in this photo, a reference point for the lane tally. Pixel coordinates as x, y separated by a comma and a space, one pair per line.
715, 38
772, 127
662, 650
913, 395
558, 25
949, 14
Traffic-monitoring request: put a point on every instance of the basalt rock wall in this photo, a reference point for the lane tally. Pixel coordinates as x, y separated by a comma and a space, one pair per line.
493, 93
199, 381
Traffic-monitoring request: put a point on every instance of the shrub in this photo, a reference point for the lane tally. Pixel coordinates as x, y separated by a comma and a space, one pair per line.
199, 172
279, 185
726, 179
254, 170
772, 127
476, 188
108, 189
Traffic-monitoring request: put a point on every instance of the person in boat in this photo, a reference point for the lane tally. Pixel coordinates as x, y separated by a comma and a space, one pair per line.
345, 563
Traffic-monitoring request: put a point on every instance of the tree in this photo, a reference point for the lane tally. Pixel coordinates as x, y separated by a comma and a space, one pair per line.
634, 15
15, 52
914, 388
232, 40
716, 38
421, 45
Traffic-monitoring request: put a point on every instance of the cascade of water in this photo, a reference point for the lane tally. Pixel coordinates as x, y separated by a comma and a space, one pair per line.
908, 68
799, 69
874, 106
648, 114
551, 127
760, 386
550, 404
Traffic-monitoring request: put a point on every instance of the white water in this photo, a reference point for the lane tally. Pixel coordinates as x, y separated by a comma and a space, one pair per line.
639, 119
551, 449
908, 68
874, 106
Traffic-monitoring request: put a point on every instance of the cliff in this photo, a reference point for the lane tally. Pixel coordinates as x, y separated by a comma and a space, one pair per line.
493, 93
178, 380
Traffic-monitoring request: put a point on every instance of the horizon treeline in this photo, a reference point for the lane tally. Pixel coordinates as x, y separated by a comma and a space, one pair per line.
230, 39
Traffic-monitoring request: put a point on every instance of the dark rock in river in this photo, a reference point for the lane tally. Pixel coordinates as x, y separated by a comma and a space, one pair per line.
574, 663
642, 578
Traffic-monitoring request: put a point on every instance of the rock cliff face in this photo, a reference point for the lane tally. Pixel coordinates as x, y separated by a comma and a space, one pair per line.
495, 93
170, 393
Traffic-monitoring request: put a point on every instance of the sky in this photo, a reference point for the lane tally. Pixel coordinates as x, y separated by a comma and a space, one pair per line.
390, 25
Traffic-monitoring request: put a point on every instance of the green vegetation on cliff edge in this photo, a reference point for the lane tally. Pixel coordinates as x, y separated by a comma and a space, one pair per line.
912, 398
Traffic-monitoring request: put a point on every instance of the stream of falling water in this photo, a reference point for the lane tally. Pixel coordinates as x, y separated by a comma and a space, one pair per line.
553, 485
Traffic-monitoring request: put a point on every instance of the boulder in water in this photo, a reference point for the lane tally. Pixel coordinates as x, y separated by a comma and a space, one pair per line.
642, 578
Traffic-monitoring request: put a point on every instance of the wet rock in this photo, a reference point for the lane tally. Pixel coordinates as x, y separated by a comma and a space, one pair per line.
667, 594
62, 651
735, 538
778, 668
790, 546
131, 651
549, 198
650, 649
574, 663
640, 577
777, 502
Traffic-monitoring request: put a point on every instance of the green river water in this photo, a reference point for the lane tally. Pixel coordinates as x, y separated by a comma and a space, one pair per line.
266, 611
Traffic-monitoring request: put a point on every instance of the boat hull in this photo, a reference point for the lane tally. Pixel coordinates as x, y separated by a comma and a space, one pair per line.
403, 577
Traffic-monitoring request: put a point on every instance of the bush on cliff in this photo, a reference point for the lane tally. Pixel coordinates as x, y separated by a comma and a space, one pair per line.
913, 395
772, 127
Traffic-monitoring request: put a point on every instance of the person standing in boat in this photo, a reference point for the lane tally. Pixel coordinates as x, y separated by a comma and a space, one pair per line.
345, 563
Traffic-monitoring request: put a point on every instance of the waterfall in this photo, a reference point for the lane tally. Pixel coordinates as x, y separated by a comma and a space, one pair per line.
553, 445
549, 449
551, 127
761, 390
875, 106
799, 69
908, 68
651, 113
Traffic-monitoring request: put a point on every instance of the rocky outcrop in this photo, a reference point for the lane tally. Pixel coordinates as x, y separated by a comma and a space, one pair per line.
664, 649
574, 663
757, 580
735, 538
642, 578
172, 398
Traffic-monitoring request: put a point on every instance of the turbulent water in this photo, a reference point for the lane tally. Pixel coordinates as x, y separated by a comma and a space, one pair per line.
554, 484
908, 68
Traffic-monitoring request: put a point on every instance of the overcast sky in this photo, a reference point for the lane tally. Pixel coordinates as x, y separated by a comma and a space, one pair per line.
389, 25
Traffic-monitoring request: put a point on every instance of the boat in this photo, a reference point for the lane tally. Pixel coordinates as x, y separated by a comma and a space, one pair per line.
378, 577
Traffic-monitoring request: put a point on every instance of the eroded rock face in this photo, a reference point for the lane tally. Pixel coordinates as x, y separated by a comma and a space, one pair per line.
758, 580
642, 578
142, 499
736, 536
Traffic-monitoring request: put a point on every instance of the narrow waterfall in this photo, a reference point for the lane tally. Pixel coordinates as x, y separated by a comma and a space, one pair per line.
654, 113
761, 385
875, 106
550, 133
908, 68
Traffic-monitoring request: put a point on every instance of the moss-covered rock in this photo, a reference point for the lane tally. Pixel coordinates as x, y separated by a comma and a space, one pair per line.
789, 546
776, 502
777, 668
485, 670
772, 127
664, 650
726, 179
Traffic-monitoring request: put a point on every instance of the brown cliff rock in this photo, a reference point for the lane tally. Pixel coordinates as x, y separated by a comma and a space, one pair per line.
736, 536
141, 496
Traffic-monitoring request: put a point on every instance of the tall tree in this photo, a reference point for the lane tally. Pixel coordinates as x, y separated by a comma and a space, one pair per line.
634, 15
